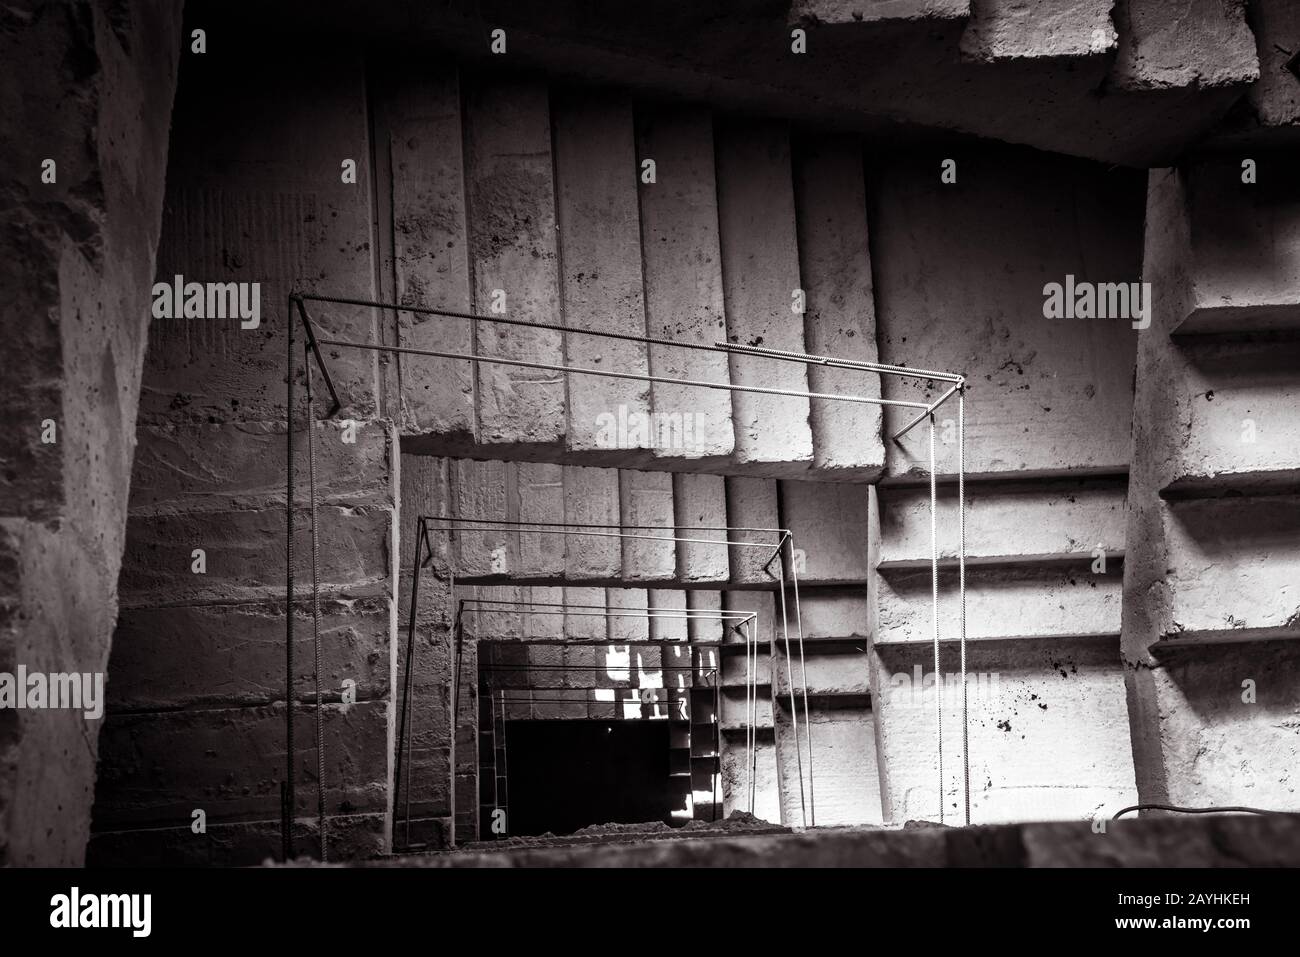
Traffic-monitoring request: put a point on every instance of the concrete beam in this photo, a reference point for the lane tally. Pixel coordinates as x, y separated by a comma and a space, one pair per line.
513, 252
760, 272
600, 237
683, 276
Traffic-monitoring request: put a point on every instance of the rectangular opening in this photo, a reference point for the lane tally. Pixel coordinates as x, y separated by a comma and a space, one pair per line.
568, 774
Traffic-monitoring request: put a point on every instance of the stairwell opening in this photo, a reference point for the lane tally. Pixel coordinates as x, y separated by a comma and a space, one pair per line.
567, 775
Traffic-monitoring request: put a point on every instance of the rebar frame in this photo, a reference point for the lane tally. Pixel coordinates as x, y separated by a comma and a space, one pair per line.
312, 343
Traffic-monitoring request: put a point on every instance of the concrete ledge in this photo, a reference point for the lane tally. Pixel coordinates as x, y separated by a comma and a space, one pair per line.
1209, 841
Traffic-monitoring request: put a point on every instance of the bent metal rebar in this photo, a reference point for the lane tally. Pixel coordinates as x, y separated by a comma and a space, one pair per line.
297, 302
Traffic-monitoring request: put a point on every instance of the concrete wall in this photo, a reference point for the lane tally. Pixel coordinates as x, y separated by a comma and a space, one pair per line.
1210, 601
961, 276
78, 257
267, 205
474, 183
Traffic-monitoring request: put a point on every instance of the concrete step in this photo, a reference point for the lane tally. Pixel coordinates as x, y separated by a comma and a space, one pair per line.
1002, 603
1235, 564
1238, 246
1049, 731
1006, 523
1239, 397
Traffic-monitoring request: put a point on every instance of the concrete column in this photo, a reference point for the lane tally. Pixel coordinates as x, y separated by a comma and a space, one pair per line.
1210, 602
91, 91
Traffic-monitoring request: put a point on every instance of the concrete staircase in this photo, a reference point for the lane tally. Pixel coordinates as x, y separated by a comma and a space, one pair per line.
1212, 611
516, 566
737, 236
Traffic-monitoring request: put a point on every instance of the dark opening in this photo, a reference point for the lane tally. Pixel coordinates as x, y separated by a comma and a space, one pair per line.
565, 775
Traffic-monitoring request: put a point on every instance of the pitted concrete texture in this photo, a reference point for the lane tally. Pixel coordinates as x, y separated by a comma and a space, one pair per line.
513, 253
1274, 101
840, 316
646, 504
1240, 245
752, 503
699, 503
1210, 602
1174, 44
418, 125
1010, 601
760, 273
539, 489
600, 252
1048, 726
79, 259
1209, 841
261, 208
1236, 565
1240, 398
1063, 521
591, 497
1021, 29
829, 525
1230, 723
960, 287
683, 276
138, 789
865, 11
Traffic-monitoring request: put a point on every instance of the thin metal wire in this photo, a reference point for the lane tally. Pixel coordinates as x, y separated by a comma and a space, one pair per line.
565, 528
611, 374
934, 585
961, 580
805, 358
800, 357
570, 525
794, 711
751, 673
836, 363
315, 618
289, 812
803, 679
406, 687
930, 410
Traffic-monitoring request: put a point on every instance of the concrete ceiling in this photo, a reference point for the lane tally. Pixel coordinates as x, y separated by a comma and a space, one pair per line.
1134, 82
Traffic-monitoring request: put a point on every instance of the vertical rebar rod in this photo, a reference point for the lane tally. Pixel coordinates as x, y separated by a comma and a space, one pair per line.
961, 585
794, 710
405, 735
803, 677
315, 615
290, 798
934, 589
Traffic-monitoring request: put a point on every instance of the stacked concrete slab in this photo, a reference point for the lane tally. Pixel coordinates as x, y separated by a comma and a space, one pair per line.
1211, 606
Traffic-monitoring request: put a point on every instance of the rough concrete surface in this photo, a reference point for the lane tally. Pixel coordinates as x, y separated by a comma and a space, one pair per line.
1222, 841
79, 260
691, 173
